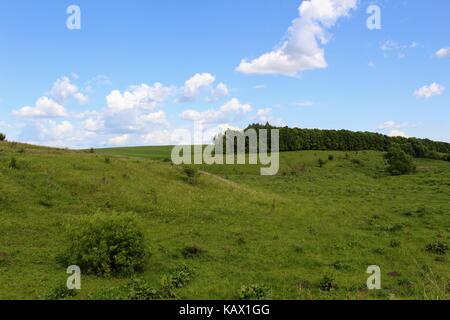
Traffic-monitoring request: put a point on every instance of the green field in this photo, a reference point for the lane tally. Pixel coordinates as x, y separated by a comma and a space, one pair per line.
285, 232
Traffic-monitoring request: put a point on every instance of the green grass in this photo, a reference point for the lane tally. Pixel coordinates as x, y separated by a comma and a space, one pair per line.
285, 232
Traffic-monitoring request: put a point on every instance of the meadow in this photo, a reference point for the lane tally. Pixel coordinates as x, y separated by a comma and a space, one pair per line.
309, 232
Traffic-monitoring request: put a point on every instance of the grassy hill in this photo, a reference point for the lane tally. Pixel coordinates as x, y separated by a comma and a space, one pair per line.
288, 232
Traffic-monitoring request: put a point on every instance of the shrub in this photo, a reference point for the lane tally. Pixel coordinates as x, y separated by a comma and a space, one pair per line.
328, 283
2, 137
193, 251
331, 157
106, 244
321, 163
91, 150
180, 276
395, 244
253, 292
399, 162
139, 289
191, 174
437, 247
107, 160
13, 163
61, 293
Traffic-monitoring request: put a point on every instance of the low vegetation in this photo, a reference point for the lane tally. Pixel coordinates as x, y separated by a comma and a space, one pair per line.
139, 231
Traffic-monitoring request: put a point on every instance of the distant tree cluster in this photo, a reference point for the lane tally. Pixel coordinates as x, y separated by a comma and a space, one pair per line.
295, 139
2, 137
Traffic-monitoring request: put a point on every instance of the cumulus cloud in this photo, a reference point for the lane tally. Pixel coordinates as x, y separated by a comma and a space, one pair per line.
398, 133
264, 115
195, 84
43, 108
302, 48
219, 92
119, 140
231, 109
429, 91
138, 97
443, 53
62, 90
393, 129
157, 137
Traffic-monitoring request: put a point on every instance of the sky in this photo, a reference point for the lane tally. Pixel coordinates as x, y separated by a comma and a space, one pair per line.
135, 72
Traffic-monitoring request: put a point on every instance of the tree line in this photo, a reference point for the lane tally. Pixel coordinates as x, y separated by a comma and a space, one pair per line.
296, 139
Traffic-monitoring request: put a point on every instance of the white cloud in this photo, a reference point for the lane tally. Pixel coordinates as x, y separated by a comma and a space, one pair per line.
398, 133
140, 97
302, 48
119, 140
44, 108
392, 46
154, 117
157, 137
387, 125
219, 92
99, 80
63, 129
429, 91
443, 53
264, 115
224, 127
304, 104
393, 128
389, 45
195, 84
63, 89
94, 124
230, 109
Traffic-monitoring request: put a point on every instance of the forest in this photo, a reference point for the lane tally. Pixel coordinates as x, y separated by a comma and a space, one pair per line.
298, 139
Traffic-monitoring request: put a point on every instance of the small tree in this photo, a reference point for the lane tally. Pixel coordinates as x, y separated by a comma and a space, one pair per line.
399, 162
2, 137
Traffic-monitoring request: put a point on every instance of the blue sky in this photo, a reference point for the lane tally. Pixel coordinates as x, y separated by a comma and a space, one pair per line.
137, 72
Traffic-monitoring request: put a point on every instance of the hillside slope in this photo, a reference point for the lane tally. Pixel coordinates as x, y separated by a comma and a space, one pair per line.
286, 232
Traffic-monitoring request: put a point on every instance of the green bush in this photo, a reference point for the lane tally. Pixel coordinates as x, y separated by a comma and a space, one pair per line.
399, 162
60, 293
106, 244
13, 163
328, 283
321, 163
180, 276
2, 137
192, 251
437, 247
139, 289
253, 292
191, 174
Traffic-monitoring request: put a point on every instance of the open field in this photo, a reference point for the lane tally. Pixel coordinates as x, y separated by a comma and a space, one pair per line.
286, 232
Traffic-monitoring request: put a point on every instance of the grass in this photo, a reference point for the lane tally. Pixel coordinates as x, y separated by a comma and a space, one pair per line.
286, 233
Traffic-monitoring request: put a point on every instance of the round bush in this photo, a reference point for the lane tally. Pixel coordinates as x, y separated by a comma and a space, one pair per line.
106, 244
399, 162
